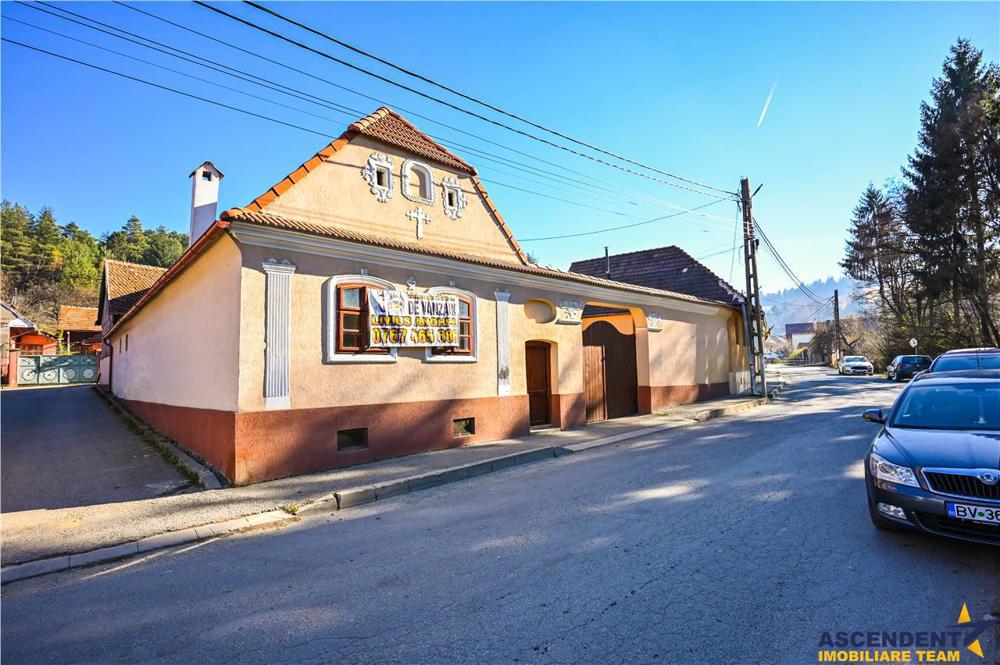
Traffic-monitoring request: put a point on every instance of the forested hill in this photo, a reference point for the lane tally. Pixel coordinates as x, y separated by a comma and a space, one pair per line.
46, 263
794, 306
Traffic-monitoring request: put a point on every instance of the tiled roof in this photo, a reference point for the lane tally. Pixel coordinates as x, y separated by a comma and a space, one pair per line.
127, 282
78, 318
276, 221
666, 268
800, 328
383, 125
388, 126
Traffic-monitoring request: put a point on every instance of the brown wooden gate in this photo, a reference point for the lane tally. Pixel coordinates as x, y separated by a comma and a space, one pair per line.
609, 377
536, 360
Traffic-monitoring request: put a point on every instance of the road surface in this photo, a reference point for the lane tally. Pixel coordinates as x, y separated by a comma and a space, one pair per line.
737, 541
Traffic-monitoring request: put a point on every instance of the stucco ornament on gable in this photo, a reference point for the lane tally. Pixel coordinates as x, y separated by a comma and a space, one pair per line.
570, 312
654, 322
378, 161
406, 174
451, 184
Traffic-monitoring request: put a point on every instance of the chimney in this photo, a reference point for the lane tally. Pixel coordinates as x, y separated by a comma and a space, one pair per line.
204, 199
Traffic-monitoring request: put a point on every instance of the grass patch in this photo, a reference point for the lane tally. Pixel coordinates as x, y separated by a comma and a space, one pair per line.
291, 508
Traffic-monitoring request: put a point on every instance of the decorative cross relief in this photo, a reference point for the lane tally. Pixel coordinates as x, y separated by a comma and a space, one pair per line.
421, 218
570, 312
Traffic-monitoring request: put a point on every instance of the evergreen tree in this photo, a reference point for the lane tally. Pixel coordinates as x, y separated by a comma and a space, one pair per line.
128, 244
164, 247
15, 243
949, 208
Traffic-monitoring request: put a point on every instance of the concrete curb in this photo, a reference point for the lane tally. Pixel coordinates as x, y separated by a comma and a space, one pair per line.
350, 497
193, 468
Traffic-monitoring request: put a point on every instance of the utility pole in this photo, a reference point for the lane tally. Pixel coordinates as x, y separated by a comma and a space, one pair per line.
836, 324
758, 371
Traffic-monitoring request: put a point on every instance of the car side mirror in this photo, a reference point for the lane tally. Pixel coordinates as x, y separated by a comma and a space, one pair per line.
874, 416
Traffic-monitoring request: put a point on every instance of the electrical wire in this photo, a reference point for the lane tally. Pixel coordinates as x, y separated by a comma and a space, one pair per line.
617, 228
448, 104
281, 88
163, 87
470, 98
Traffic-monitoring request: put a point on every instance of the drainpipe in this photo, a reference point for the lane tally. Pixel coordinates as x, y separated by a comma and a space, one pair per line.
746, 337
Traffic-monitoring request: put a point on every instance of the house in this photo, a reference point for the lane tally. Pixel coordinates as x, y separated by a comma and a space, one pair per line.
78, 329
799, 337
21, 334
122, 284
375, 303
672, 269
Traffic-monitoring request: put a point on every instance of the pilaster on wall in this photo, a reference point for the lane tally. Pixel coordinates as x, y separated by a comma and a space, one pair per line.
503, 342
277, 333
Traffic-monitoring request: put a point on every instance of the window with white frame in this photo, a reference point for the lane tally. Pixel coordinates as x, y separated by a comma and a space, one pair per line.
347, 320
377, 172
452, 197
468, 328
417, 182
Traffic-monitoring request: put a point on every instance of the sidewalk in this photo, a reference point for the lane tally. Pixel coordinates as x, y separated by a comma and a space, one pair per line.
64, 538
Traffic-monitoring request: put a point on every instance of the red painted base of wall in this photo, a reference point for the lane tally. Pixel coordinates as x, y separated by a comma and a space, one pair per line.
263, 445
569, 411
206, 432
273, 444
654, 398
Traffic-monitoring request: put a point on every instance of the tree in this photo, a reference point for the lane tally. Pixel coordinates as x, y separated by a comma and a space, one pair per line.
951, 202
16, 243
164, 247
128, 244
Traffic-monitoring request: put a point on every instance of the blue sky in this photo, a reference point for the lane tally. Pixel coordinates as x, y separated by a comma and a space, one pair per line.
679, 86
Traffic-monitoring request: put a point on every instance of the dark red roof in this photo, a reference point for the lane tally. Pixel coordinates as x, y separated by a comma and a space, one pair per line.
667, 268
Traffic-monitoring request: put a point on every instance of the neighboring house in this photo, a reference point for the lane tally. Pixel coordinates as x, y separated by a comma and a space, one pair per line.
21, 334
78, 329
122, 284
374, 303
13, 326
671, 268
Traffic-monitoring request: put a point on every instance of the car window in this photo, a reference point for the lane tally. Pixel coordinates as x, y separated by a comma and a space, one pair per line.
853, 359
955, 406
955, 363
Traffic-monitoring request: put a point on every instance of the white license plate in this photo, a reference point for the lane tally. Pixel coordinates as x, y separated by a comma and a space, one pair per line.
964, 511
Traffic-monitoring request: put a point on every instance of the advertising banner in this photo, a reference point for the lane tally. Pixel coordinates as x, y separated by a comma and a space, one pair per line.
401, 319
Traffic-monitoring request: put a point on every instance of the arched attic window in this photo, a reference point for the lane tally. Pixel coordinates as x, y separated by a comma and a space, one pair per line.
418, 182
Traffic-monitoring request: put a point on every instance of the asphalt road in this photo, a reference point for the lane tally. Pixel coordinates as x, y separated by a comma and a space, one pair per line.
737, 541
66, 447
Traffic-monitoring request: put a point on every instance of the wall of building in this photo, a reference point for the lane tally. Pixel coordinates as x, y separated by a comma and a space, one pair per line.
336, 194
407, 405
179, 368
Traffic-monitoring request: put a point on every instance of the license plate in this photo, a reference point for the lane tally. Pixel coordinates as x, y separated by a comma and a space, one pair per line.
964, 511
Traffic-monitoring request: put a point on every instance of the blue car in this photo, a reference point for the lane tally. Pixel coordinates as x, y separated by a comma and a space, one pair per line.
935, 464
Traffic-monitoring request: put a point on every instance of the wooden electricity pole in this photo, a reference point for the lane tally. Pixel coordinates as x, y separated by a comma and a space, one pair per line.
758, 371
836, 325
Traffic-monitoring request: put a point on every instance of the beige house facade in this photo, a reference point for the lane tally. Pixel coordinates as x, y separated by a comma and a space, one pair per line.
283, 376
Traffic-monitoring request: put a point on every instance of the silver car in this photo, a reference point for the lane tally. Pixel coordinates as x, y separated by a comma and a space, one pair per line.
856, 365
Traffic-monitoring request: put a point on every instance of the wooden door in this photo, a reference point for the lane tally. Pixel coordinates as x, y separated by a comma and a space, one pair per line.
610, 381
536, 360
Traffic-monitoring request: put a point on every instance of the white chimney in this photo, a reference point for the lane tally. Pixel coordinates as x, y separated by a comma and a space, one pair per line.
204, 199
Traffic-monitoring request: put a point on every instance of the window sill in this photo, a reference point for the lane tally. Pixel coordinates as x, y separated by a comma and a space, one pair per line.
365, 358
430, 358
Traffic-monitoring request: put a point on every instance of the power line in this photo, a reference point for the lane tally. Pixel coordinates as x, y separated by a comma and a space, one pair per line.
163, 87
279, 87
618, 228
784, 265
446, 103
492, 107
169, 69
281, 122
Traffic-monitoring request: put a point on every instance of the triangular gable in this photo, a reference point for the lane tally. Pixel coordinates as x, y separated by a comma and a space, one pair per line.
385, 126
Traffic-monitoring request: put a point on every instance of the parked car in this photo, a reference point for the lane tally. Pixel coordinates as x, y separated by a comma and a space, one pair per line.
959, 359
855, 365
904, 367
935, 464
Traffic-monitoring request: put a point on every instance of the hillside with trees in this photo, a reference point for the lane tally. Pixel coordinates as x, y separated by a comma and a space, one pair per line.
925, 249
46, 264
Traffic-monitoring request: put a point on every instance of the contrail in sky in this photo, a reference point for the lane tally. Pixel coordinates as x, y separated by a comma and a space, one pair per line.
767, 104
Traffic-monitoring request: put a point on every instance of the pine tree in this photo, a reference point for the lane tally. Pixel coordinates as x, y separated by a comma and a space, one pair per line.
948, 199
164, 247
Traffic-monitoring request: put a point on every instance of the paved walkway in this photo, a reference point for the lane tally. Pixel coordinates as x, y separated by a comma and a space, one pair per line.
64, 447
36, 534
